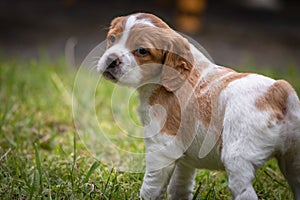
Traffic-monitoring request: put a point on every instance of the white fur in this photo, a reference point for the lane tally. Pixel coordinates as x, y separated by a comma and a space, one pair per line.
247, 140
129, 24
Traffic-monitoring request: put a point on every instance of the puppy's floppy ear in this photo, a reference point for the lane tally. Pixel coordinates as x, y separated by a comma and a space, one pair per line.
177, 64
116, 21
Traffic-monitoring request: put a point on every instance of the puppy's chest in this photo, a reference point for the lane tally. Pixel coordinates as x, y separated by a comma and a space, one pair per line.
143, 113
163, 108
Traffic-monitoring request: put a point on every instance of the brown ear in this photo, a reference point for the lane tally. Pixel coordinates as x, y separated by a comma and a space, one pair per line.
116, 21
177, 65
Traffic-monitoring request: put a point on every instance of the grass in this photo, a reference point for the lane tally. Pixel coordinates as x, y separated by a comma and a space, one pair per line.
43, 157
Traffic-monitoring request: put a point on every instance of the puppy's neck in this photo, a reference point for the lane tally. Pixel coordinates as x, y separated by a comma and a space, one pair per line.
201, 66
199, 57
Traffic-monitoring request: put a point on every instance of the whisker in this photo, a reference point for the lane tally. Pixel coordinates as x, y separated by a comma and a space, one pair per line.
93, 66
98, 57
94, 60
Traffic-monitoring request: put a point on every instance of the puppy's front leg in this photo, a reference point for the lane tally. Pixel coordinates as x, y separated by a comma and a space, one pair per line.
182, 183
155, 182
162, 151
160, 164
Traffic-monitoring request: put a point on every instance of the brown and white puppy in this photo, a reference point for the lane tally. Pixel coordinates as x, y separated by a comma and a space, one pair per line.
200, 115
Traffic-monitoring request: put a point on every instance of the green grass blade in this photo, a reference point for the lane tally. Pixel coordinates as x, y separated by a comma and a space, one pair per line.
197, 192
39, 167
74, 161
94, 166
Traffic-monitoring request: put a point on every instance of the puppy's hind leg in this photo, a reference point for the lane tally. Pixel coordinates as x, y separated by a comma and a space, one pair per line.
290, 167
241, 158
240, 176
289, 164
289, 160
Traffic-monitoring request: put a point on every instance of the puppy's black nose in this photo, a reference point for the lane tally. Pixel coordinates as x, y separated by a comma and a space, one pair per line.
112, 61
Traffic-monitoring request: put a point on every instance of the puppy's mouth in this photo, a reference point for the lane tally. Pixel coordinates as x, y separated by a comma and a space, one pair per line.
109, 76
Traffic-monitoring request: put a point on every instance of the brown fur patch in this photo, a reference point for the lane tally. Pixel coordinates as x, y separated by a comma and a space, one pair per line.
171, 104
209, 99
275, 100
175, 72
116, 28
195, 75
154, 20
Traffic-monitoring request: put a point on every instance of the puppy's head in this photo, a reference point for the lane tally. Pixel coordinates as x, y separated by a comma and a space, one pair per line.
141, 48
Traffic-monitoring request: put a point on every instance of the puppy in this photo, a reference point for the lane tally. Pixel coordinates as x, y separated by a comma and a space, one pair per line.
197, 114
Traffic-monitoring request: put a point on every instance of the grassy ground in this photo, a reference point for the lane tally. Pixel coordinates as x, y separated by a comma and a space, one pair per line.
42, 157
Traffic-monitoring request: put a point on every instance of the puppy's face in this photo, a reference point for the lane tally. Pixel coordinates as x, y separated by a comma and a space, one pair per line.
138, 46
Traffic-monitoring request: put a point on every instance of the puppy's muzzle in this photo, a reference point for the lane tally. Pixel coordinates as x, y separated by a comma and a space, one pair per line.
113, 67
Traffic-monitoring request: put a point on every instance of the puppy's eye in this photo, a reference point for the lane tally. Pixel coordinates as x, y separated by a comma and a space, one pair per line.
112, 39
141, 51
